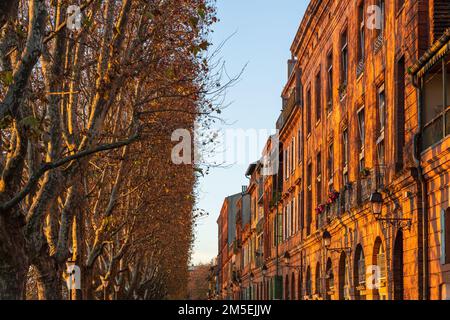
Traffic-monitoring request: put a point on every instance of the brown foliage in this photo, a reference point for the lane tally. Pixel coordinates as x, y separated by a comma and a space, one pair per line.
86, 119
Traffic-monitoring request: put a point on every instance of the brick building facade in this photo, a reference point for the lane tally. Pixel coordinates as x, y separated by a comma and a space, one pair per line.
365, 125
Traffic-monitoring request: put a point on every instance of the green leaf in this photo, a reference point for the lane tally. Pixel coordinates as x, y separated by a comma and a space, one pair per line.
6, 78
194, 22
31, 122
6, 122
202, 13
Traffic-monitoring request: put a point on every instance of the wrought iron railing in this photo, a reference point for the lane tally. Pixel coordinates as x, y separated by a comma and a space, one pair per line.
365, 188
346, 199
379, 41
360, 67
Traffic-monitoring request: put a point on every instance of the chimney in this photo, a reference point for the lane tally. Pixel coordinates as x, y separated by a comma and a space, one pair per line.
244, 189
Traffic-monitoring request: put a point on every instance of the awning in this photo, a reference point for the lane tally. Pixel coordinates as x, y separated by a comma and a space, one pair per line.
432, 56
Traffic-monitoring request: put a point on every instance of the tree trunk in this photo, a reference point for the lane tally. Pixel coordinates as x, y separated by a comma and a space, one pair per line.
13, 259
50, 280
86, 281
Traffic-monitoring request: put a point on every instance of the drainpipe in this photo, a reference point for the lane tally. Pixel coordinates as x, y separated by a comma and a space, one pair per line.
422, 201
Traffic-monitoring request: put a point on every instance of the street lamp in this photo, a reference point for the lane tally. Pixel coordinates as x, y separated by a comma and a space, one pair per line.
287, 258
376, 199
264, 270
326, 242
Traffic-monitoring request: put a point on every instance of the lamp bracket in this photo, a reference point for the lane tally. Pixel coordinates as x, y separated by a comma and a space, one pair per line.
402, 223
297, 268
339, 250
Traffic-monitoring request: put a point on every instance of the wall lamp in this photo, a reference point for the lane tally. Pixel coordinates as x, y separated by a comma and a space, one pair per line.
376, 199
326, 241
264, 270
287, 261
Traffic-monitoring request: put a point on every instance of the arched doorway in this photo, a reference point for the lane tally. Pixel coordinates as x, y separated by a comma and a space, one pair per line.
359, 272
318, 280
379, 274
308, 283
286, 288
398, 267
329, 282
344, 293
293, 287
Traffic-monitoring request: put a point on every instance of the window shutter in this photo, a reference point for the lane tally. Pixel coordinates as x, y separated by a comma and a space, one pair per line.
443, 240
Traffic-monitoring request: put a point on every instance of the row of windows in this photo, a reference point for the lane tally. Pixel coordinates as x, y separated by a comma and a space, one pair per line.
347, 146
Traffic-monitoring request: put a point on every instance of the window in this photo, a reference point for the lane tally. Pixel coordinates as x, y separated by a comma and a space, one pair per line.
294, 216
288, 160
381, 153
361, 268
400, 4
331, 164
308, 283
380, 25
289, 220
280, 228
362, 137
344, 58
445, 236
309, 200
400, 115
308, 112
330, 82
318, 280
382, 22
345, 155
318, 96
436, 107
381, 115
319, 179
300, 212
300, 146
293, 155
381, 263
381, 109
361, 38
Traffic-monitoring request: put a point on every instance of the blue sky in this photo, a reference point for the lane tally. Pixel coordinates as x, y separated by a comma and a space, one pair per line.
264, 31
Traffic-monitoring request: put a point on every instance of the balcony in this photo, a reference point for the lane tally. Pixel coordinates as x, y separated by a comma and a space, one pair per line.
380, 177
379, 42
326, 217
322, 220
259, 258
289, 105
260, 226
347, 199
365, 185
260, 190
360, 68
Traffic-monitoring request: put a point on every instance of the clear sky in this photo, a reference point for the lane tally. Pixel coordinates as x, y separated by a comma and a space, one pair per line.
264, 31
